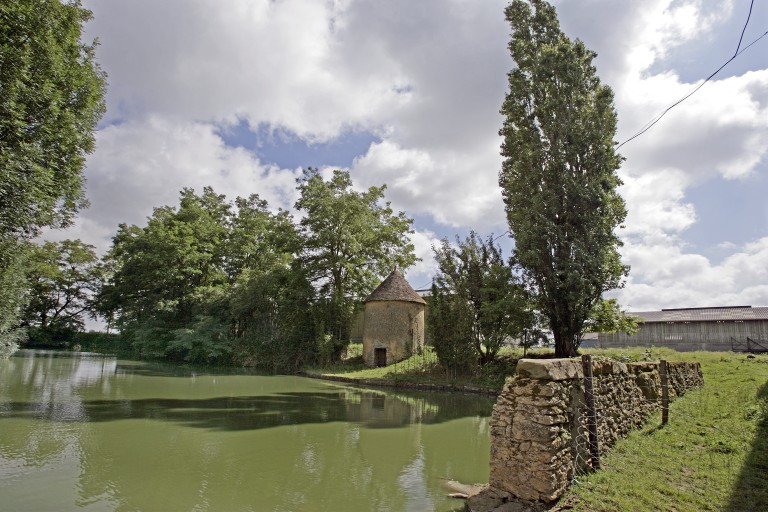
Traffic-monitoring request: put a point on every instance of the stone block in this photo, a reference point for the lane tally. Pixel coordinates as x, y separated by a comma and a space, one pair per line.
533, 457
550, 369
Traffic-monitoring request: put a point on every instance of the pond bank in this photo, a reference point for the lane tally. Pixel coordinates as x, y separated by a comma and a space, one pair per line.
403, 384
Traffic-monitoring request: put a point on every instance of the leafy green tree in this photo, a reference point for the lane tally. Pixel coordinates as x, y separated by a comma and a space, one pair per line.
13, 293
170, 272
449, 324
607, 316
204, 282
559, 177
271, 303
273, 311
51, 97
259, 239
63, 278
474, 273
350, 242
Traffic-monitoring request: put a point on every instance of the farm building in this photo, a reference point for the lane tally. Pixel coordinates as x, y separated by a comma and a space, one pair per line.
393, 323
740, 328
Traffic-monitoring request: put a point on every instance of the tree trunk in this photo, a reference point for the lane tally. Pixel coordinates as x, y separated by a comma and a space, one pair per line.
565, 345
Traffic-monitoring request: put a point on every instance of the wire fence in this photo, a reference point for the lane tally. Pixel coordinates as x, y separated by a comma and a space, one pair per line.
424, 362
726, 453
589, 416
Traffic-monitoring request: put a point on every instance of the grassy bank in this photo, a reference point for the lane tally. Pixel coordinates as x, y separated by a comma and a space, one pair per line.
711, 456
421, 369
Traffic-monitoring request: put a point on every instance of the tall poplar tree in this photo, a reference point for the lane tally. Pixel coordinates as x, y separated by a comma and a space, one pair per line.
559, 176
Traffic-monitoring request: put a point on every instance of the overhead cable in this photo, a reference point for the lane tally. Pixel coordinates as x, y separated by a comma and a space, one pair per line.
738, 52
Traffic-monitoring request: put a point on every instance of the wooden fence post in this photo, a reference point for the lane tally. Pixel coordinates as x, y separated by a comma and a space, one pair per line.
589, 399
664, 391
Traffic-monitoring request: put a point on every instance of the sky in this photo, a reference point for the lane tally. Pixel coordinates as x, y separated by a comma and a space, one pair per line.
241, 95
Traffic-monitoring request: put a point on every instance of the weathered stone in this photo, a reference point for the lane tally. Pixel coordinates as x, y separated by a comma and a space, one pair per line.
541, 411
550, 369
487, 500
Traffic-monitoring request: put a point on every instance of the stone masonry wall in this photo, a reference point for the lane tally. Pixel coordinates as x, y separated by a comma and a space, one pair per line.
538, 421
397, 326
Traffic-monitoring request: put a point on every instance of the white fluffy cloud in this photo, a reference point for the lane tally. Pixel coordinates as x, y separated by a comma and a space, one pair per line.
665, 276
427, 79
145, 163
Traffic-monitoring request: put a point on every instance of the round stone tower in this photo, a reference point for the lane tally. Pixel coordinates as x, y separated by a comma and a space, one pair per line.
393, 323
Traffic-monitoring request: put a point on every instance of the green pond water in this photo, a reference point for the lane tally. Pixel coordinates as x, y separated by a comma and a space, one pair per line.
92, 432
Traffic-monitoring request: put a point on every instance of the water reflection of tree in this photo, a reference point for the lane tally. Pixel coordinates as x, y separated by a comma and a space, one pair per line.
313, 446
44, 385
367, 456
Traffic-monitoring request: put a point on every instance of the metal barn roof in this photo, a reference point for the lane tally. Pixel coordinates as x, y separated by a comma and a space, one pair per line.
715, 314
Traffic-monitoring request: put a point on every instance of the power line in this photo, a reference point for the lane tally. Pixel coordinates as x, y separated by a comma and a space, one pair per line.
738, 52
749, 15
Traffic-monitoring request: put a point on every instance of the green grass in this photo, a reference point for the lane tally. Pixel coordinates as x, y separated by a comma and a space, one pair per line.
712, 455
420, 369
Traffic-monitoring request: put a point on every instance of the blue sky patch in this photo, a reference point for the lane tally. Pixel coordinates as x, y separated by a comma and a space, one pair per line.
288, 151
731, 211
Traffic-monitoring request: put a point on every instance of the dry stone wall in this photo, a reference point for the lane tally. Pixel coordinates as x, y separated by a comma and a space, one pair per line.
538, 428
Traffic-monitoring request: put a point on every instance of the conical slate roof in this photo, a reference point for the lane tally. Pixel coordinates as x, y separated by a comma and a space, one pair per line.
395, 287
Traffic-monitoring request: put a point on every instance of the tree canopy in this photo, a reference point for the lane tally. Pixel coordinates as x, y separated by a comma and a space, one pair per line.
51, 97
63, 278
476, 284
558, 178
350, 241
216, 280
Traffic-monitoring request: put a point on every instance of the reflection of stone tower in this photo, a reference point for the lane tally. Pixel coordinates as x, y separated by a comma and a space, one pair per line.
394, 322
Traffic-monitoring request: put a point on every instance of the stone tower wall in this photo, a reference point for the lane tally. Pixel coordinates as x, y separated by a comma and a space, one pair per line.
397, 326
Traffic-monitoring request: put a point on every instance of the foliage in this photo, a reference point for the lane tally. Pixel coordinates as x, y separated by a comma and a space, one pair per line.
532, 336
559, 176
212, 282
607, 316
10, 341
258, 239
51, 97
215, 281
449, 324
275, 320
102, 342
169, 273
63, 277
475, 276
13, 296
350, 241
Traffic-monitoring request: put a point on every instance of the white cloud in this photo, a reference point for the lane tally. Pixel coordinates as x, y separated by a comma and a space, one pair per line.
428, 78
665, 276
262, 61
655, 204
456, 189
720, 131
145, 163
420, 275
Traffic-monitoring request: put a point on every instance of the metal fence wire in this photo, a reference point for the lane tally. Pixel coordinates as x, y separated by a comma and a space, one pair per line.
588, 445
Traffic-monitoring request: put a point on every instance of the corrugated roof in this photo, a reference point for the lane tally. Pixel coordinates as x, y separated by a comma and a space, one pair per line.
395, 287
704, 314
